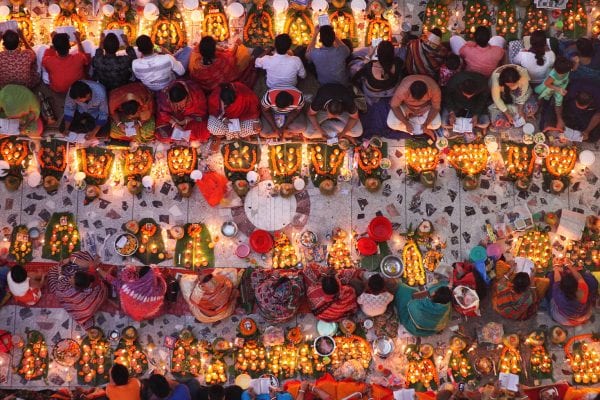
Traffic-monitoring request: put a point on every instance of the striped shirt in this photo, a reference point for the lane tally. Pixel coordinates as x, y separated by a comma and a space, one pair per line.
157, 70
268, 100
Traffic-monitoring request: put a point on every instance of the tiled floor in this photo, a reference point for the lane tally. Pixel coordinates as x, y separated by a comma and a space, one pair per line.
458, 217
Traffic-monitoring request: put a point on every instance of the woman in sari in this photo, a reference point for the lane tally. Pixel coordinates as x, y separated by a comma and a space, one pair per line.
277, 294
330, 297
233, 101
80, 292
211, 296
211, 65
131, 106
512, 97
18, 102
424, 313
424, 55
515, 298
572, 294
141, 291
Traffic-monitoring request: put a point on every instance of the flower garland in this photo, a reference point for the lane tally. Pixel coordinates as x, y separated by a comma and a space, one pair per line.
231, 158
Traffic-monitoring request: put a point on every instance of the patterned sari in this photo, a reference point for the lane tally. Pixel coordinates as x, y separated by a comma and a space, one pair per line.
328, 307
512, 305
422, 59
571, 312
141, 298
421, 317
213, 300
277, 294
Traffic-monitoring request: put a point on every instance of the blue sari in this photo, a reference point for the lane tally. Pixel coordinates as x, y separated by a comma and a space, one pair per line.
421, 317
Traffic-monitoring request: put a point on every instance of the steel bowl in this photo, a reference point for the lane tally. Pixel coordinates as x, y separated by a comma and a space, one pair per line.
391, 266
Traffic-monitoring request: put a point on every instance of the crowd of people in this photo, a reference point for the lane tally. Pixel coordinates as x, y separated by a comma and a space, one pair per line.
420, 87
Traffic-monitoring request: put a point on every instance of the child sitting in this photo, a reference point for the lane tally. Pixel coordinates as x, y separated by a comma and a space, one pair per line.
452, 64
25, 289
556, 83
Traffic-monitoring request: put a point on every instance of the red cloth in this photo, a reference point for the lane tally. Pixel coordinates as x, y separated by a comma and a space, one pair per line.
195, 108
213, 187
246, 105
63, 71
327, 307
222, 69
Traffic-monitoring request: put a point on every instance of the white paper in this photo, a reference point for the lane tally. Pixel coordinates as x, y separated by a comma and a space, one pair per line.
519, 121
417, 124
179, 134
175, 211
324, 20
573, 135
571, 224
463, 125
234, 125
121, 242
130, 129
69, 30
260, 385
117, 32
553, 4
375, 42
76, 137
10, 25
509, 381
9, 126
404, 394
332, 141
523, 264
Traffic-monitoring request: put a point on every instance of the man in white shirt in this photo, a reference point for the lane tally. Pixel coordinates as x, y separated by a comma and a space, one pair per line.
154, 70
282, 69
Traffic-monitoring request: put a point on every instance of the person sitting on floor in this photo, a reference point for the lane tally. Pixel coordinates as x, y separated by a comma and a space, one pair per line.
572, 294
333, 114
234, 111
25, 289
64, 68
329, 59
182, 106
17, 66
374, 301
211, 65
110, 69
132, 113
19, 102
484, 54
424, 55
155, 70
514, 295
212, 295
415, 106
511, 93
278, 295
330, 297
141, 291
121, 386
283, 70
467, 95
78, 291
160, 388
424, 313
281, 107
86, 109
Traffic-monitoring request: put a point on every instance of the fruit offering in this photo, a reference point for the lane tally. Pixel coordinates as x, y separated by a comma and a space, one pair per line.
437, 15
477, 14
130, 354
215, 372
338, 255
536, 19
539, 359
258, 30
421, 159
468, 159
583, 352
195, 249
188, 355
574, 19
285, 161
413, 273
15, 152
215, 21
561, 160
506, 20
378, 28
459, 365
535, 245
96, 163
124, 18
151, 248
138, 162
20, 244
510, 357
251, 358
343, 24
239, 158
421, 369
181, 160
62, 237
520, 160
34, 362
284, 253
351, 347
299, 26
95, 362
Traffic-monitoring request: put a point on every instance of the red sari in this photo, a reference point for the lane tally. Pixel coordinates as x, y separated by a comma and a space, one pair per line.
327, 307
195, 108
223, 69
246, 105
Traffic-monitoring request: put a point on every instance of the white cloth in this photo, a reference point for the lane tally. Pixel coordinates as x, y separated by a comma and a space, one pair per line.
457, 42
394, 123
374, 304
17, 289
157, 71
282, 70
332, 126
537, 73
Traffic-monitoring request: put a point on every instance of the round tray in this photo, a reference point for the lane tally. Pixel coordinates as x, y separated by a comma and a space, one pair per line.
391, 266
66, 352
130, 239
324, 353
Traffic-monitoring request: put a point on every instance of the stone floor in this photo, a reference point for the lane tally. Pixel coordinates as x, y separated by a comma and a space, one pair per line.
458, 217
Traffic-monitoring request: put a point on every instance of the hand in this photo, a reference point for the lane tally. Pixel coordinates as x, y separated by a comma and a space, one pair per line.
585, 135
409, 128
225, 120
509, 118
251, 393
452, 118
562, 91
304, 385
77, 36
429, 132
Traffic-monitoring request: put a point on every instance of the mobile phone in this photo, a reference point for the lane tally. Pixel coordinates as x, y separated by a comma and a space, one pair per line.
461, 387
375, 42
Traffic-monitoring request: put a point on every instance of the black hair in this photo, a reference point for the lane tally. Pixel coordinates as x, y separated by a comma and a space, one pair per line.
207, 278
159, 385
233, 392
453, 62
283, 42
521, 282
568, 285
83, 280
562, 65
111, 43
144, 44
18, 273
482, 36
227, 93
348, 44
216, 392
284, 99
376, 284
335, 107
119, 374
468, 86
584, 98
177, 93
130, 107
436, 31
208, 49
330, 285
385, 56
442, 296
508, 75
61, 44
327, 35
79, 90
585, 47
10, 39
143, 271
538, 45
418, 89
